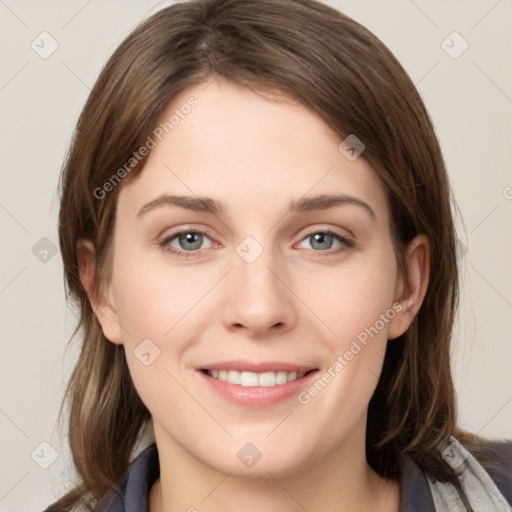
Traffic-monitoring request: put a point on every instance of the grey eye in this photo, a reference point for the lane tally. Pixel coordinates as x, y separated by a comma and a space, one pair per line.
190, 241
321, 240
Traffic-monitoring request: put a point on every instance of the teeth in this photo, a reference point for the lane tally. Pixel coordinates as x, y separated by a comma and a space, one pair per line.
233, 377
281, 377
251, 379
248, 379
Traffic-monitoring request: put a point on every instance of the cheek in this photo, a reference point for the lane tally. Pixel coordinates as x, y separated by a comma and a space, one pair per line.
170, 306
356, 304
153, 297
352, 299
159, 311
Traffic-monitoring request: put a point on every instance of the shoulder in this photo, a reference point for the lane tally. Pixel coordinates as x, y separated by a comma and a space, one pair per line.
131, 493
112, 502
496, 458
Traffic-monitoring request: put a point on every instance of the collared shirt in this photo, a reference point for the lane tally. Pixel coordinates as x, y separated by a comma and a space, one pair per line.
132, 492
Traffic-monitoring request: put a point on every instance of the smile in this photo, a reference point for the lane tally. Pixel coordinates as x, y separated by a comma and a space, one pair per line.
252, 379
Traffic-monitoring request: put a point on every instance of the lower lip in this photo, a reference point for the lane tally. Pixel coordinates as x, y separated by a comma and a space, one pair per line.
257, 396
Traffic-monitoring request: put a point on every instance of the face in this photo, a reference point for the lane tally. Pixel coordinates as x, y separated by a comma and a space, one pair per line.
251, 249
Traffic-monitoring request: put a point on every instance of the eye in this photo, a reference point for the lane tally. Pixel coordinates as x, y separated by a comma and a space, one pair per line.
189, 243
324, 240
186, 243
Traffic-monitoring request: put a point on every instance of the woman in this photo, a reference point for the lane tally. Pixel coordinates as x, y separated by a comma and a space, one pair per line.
274, 371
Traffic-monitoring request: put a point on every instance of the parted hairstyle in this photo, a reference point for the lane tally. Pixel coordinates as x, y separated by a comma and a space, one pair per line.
331, 64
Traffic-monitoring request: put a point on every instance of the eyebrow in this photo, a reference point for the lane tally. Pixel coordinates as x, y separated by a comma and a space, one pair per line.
209, 205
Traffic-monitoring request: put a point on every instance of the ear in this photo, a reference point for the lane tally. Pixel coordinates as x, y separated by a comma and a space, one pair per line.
102, 302
411, 289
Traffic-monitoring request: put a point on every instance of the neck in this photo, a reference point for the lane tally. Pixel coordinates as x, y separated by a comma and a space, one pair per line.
341, 480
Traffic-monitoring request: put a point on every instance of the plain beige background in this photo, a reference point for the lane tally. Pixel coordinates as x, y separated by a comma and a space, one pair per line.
468, 92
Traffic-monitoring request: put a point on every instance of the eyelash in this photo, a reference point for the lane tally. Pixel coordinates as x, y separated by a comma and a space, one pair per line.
164, 244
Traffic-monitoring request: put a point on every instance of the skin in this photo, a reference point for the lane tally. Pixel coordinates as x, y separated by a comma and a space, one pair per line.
293, 303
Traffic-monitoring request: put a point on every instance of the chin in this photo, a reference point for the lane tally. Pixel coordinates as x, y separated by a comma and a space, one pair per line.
252, 460
262, 469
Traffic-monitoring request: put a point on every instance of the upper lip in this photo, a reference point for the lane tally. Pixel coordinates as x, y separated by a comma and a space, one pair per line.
257, 367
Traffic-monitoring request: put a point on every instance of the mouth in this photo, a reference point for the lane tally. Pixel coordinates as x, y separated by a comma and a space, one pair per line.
254, 379
256, 384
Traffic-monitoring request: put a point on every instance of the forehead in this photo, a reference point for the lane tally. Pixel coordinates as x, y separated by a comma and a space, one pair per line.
243, 147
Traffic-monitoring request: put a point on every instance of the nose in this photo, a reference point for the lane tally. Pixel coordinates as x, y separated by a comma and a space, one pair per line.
261, 302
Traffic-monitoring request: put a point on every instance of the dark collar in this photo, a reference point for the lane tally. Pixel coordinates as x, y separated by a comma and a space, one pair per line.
416, 495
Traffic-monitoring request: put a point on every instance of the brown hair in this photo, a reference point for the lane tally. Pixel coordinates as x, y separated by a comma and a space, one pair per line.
344, 74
